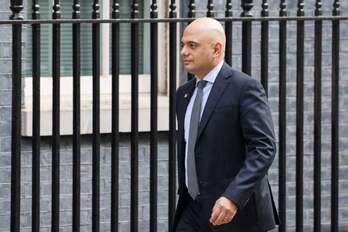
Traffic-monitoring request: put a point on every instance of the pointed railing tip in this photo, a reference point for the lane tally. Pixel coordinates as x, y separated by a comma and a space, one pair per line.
283, 8
96, 6
76, 9
56, 10
154, 6
154, 9
264, 6
115, 9
210, 9
318, 8
96, 11
16, 8
336, 7
300, 8
76, 6
36, 10
135, 9
228, 7
172, 7
192, 9
247, 5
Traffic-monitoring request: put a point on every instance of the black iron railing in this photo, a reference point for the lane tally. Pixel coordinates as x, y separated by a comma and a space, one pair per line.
17, 21
115, 119
76, 119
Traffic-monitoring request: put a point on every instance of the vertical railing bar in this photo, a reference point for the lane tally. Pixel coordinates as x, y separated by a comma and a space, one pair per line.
210, 8
172, 119
282, 116
228, 31
96, 119
264, 46
55, 118
299, 117
247, 5
16, 7
154, 118
317, 117
134, 117
335, 118
76, 118
36, 119
191, 14
115, 117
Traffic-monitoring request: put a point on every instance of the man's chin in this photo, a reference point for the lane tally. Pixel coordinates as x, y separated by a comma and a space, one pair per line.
188, 68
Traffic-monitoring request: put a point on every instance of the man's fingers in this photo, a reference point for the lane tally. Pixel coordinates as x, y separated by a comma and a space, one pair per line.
223, 212
215, 213
222, 219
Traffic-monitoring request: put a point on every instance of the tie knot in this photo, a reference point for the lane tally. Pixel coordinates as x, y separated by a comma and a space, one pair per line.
201, 84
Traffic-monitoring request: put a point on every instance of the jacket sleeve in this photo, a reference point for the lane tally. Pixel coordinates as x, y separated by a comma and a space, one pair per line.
258, 134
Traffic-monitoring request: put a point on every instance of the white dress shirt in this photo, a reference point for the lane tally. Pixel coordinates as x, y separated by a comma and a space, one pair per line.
210, 78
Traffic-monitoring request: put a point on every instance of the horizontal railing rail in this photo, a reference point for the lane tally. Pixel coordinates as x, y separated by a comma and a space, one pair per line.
170, 20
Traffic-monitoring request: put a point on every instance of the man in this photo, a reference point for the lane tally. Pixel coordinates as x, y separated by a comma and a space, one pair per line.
226, 141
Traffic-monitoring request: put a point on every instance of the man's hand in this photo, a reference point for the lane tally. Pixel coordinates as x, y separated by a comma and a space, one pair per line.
223, 211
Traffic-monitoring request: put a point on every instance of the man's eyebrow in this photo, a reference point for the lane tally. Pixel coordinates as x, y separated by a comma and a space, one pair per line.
189, 41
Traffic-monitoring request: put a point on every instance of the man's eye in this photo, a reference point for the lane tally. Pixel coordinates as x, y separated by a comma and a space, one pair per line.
192, 45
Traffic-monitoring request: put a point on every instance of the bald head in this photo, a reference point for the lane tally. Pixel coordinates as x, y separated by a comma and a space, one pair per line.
203, 46
210, 28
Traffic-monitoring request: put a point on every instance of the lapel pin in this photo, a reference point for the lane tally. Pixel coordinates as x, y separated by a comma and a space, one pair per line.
186, 95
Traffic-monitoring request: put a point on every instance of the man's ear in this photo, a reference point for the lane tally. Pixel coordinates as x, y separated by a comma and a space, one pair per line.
217, 49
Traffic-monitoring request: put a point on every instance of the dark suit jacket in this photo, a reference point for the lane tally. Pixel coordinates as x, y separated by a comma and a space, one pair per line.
234, 149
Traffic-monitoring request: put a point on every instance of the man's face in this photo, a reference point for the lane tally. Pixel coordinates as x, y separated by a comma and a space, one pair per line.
197, 52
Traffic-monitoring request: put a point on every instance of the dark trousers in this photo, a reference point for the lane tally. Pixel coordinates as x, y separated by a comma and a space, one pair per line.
190, 221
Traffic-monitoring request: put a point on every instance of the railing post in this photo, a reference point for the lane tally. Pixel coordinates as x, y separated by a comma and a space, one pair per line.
299, 116
76, 118
335, 117
154, 118
264, 46
115, 117
172, 119
56, 117
36, 119
16, 8
96, 119
247, 5
228, 31
317, 116
135, 119
282, 115
191, 14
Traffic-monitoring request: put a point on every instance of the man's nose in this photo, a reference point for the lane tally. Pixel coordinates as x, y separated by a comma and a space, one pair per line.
183, 51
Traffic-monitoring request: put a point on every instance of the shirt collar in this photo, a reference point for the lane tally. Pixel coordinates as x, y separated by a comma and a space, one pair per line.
211, 76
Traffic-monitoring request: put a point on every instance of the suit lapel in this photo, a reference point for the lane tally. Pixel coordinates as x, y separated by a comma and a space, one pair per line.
217, 90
